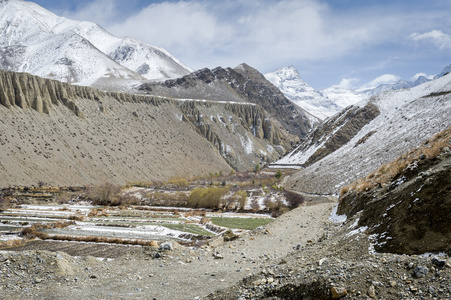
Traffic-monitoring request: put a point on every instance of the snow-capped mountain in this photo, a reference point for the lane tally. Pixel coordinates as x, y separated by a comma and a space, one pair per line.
34, 40
289, 81
398, 85
374, 131
327, 102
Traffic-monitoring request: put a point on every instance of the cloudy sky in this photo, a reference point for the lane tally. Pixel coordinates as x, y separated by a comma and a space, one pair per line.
352, 43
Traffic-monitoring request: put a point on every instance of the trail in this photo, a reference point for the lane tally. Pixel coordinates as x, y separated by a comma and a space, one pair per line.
187, 273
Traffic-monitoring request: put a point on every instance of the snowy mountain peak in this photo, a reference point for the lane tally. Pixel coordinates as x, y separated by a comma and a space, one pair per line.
35, 40
289, 81
285, 74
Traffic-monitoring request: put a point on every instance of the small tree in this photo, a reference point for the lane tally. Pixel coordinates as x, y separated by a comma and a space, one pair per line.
257, 168
241, 197
278, 174
105, 194
5, 195
294, 199
254, 204
4, 202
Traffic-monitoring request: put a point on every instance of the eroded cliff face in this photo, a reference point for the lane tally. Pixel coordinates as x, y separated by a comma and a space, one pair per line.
72, 135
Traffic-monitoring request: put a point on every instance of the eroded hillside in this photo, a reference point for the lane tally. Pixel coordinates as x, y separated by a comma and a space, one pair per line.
61, 134
241, 84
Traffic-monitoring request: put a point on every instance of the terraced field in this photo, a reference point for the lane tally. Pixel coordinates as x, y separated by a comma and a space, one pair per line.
82, 229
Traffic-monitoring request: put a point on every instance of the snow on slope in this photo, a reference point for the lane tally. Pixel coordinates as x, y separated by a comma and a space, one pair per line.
407, 118
37, 41
288, 81
343, 97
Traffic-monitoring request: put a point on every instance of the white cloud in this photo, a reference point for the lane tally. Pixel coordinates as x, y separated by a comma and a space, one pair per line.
437, 37
383, 79
269, 34
347, 83
261, 33
99, 11
416, 76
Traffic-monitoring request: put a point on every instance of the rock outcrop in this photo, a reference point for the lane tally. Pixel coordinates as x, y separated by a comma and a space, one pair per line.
64, 134
406, 204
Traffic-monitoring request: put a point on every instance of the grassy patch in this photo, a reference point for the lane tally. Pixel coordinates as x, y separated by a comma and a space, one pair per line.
240, 223
190, 228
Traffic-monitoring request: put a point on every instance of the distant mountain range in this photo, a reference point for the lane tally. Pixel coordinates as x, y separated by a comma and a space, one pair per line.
34, 40
327, 102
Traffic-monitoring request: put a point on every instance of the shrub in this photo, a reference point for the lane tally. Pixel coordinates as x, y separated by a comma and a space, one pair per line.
294, 199
177, 182
269, 203
241, 196
257, 168
13, 243
63, 198
5, 196
278, 211
207, 197
105, 194
254, 204
4, 202
278, 174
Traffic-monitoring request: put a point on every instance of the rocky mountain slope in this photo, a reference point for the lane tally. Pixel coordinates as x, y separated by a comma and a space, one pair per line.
406, 204
241, 84
63, 134
367, 135
34, 40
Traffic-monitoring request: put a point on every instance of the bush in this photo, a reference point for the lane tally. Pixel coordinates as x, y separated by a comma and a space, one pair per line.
5, 196
63, 198
177, 182
294, 199
254, 204
105, 194
4, 202
207, 197
269, 203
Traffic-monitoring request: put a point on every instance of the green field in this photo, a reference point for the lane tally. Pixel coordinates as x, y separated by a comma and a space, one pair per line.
240, 223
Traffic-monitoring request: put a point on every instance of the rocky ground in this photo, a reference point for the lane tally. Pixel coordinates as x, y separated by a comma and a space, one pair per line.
300, 255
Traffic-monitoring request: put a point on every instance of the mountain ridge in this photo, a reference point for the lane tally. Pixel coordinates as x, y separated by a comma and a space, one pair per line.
329, 101
405, 119
36, 41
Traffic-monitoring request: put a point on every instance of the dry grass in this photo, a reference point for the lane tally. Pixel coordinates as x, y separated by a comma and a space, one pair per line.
97, 212
194, 213
177, 182
99, 239
429, 150
13, 243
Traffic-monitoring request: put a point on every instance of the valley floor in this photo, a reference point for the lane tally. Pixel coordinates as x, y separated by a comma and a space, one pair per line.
178, 274
300, 254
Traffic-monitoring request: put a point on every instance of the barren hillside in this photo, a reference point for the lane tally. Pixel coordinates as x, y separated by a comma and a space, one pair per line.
61, 134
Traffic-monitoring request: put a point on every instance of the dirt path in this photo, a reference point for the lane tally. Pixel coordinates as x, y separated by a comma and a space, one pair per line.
184, 273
